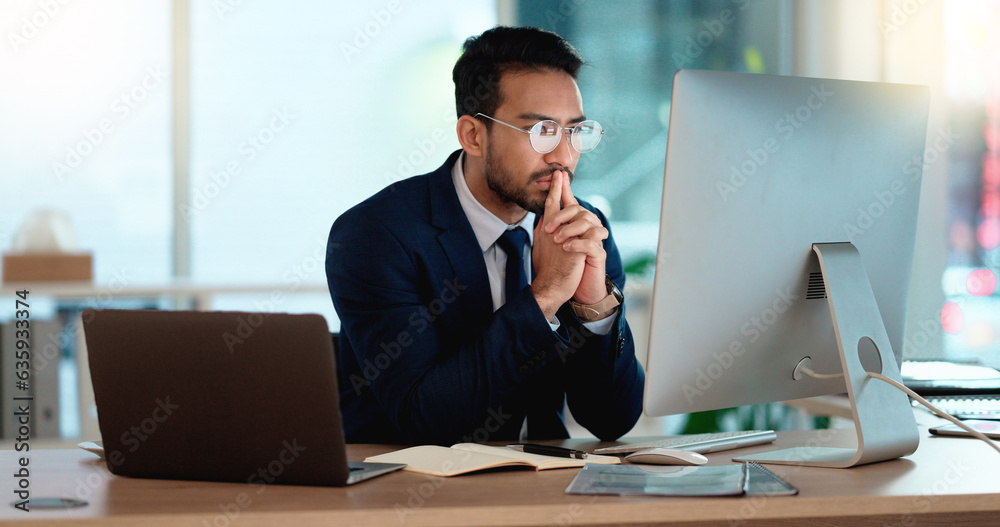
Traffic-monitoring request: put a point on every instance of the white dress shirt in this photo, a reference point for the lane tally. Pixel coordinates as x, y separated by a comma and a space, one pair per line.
488, 228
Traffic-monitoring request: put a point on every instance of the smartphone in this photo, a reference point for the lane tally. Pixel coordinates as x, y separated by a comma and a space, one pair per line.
990, 429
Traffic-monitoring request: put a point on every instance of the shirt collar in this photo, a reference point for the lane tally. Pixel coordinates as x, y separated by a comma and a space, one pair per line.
485, 224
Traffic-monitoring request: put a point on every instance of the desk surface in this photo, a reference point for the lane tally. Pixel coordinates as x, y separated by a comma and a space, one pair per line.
948, 481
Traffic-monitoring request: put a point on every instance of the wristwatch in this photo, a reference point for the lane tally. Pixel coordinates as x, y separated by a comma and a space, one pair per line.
602, 309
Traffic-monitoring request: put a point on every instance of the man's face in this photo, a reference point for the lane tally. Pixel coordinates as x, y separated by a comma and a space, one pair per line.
514, 171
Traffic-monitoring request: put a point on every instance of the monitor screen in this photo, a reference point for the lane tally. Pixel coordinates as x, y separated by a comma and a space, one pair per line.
758, 169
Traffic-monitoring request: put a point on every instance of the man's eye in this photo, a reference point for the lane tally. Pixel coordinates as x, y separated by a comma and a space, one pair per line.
548, 130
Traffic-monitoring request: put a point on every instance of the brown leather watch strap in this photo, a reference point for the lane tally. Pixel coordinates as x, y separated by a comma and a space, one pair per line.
598, 311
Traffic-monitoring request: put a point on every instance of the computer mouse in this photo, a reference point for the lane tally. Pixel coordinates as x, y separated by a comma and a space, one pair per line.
666, 456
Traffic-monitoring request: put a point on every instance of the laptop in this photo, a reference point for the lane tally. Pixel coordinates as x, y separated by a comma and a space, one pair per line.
944, 377
219, 396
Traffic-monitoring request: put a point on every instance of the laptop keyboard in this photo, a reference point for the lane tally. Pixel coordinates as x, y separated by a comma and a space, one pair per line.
701, 443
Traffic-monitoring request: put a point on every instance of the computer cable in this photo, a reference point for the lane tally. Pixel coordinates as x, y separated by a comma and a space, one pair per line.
941, 413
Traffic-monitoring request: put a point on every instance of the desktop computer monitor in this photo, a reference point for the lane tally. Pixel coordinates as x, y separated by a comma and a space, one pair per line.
777, 192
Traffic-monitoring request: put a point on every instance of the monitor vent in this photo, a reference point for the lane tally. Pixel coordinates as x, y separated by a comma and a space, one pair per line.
816, 288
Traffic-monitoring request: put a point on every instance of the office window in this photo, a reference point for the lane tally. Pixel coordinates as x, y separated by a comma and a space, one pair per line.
299, 114
296, 115
633, 50
971, 315
85, 129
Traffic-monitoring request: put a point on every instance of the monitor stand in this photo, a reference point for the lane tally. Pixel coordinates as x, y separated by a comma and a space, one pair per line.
883, 417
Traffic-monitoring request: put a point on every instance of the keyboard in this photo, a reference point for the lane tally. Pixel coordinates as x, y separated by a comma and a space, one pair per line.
701, 443
967, 406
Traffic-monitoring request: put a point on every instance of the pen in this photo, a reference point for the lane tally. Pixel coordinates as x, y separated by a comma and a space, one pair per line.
547, 450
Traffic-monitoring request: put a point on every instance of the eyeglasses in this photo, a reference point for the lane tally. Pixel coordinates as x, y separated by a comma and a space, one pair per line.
545, 135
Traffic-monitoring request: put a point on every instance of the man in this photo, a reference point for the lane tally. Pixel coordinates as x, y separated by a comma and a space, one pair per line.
442, 339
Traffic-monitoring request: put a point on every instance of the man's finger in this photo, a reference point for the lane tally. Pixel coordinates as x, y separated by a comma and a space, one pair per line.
597, 234
552, 200
594, 249
579, 227
567, 193
573, 221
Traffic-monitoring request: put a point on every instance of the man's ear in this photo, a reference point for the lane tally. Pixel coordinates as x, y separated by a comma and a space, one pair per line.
471, 135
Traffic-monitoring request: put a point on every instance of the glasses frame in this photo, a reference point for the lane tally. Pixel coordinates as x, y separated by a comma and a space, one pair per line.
562, 131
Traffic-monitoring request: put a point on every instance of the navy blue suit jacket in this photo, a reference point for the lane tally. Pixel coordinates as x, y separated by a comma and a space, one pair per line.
424, 358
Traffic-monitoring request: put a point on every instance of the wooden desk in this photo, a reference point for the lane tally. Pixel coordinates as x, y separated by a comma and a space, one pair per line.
948, 481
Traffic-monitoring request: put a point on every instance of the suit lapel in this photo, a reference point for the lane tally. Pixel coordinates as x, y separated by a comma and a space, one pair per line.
459, 243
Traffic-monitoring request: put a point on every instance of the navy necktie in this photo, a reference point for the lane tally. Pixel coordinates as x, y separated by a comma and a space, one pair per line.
512, 242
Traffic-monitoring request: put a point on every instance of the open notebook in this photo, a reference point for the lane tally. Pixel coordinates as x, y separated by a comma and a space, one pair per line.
470, 457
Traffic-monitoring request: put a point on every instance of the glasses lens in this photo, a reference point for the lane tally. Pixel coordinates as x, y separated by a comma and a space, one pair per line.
586, 136
545, 136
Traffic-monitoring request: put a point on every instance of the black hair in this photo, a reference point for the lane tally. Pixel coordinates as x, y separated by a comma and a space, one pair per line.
485, 58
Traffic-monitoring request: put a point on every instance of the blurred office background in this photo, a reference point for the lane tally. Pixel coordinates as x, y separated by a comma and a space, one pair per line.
214, 142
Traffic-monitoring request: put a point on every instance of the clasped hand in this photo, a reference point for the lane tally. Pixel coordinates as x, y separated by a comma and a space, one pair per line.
567, 252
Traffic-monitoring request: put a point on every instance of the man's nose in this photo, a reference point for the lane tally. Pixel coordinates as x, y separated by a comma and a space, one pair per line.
563, 154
